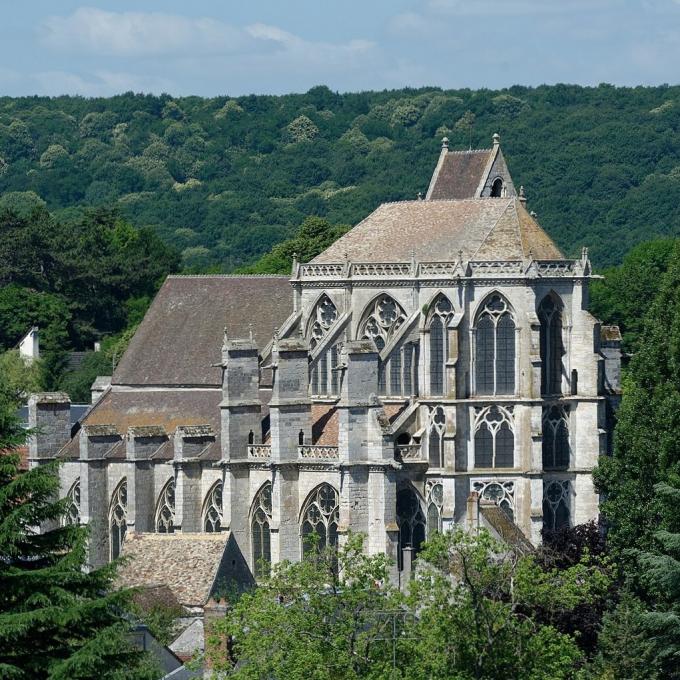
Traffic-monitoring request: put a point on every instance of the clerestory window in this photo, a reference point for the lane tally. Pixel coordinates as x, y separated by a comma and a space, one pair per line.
552, 345
165, 509
556, 449
118, 519
495, 348
212, 509
441, 314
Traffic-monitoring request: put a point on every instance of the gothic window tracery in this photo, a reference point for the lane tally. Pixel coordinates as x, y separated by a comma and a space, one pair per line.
320, 517
494, 438
165, 512
325, 314
325, 378
495, 348
411, 522
118, 519
556, 449
382, 321
72, 514
212, 514
556, 502
442, 312
261, 531
552, 345
435, 502
500, 492
436, 430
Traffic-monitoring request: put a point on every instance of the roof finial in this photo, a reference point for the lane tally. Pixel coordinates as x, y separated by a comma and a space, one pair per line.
522, 196
250, 331
225, 338
496, 139
420, 195
445, 142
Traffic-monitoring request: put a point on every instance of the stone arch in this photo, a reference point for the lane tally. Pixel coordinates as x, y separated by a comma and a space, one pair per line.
439, 313
72, 514
497, 188
324, 313
380, 319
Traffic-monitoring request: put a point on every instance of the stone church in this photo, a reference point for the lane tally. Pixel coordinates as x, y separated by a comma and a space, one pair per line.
437, 365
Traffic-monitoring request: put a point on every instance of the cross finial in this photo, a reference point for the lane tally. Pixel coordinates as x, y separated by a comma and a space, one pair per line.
445, 142
496, 139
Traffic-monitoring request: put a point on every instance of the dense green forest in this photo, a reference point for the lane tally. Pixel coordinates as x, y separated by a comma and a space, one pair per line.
224, 179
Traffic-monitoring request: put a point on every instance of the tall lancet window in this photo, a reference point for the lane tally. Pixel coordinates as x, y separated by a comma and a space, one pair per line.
556, 511
165, 509
435, 435
260, 525
72, 515
495, 348
212, 509
320, 519
435, 502
441, 312
552, 345
323, 378
118, 519
556, 449
411, 522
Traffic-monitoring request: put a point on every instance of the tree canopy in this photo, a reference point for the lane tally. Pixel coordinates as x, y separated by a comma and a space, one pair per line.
224, 179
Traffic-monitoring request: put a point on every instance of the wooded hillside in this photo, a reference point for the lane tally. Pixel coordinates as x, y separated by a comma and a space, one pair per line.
224, 179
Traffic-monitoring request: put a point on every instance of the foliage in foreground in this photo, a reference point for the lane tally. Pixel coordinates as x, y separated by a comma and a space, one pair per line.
470, 614
646, 443
57, 621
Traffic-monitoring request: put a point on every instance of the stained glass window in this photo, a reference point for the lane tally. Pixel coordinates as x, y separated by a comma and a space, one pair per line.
320, 517
552, 346
494, 438
495, 349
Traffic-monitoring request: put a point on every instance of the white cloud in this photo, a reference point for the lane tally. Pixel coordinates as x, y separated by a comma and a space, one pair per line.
99, 32
514, 7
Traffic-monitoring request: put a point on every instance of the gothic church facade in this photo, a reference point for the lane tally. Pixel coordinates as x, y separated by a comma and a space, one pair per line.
435, 366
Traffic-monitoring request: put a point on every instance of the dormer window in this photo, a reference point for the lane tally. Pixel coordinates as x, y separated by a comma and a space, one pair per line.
497, 188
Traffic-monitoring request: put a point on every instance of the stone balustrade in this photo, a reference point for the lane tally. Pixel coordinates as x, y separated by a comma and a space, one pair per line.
318, 452
259, 451
409, 452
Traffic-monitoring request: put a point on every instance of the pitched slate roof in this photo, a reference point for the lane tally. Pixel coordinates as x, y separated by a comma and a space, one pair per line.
506, 529
436, 231
459, 174
180, 337
188, 563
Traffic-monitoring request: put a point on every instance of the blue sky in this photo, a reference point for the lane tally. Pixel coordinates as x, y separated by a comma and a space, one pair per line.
212, 47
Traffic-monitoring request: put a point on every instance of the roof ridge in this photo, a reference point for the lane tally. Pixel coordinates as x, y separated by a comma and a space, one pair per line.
228, 276
470, 151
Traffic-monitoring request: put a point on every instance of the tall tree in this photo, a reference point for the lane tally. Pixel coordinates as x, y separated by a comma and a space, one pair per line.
646, 445
57, 621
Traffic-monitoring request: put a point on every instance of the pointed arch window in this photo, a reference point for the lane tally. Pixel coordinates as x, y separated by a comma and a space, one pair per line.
324, 315
436, 430
552, 345
556, 449
494, 438
411, 522
497, 188
72, 514
165, 509
118, 519
435, 502
495, 348
320, 518
442, 311
212, 513
381, 321
556, 513
260, 527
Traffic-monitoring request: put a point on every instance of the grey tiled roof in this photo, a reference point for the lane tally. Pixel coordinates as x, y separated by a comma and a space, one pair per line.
187, 563
180, 338
459, 174
436, 231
